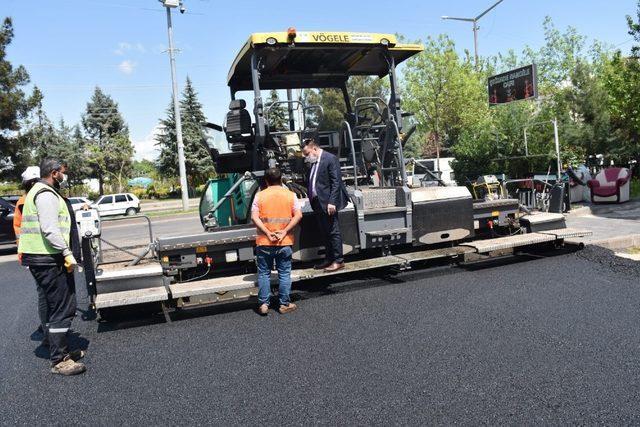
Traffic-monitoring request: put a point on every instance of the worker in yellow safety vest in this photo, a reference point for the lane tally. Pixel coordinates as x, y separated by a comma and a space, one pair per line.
47, 240
275, 212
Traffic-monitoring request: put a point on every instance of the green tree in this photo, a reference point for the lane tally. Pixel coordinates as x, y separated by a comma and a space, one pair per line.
199, 165
557, 58
108, 144
622, 82
634, 30
38, 134
145, 168
278, 114
621, 78
70, 146
445, 93
15, 105
332, 101
333, 106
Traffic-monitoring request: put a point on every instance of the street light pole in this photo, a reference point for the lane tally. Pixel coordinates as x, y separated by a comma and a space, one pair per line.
168, 4
475, 27
475, 41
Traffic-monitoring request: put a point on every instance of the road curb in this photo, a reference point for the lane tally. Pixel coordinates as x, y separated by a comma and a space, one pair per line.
580, 211
620, 242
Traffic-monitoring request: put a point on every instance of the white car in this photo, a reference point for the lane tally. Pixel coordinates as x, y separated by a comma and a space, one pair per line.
117, 204
78, 202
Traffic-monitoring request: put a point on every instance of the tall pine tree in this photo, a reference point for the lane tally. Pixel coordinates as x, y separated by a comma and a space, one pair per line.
71, 147
38, 134
199, 165
110, 150
15, 105
278, 114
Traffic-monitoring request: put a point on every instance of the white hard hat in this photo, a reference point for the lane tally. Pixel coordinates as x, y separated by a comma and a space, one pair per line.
32, 172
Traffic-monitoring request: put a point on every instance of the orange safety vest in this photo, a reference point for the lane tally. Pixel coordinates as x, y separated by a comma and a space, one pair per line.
17, 216
17, 220
275, 205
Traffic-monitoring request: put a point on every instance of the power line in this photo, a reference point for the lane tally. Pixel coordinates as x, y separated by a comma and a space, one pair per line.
128, 6
119, 87
111, 66
624, 42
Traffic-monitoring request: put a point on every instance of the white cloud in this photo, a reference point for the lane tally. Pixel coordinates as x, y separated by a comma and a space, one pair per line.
145, 148
127, 66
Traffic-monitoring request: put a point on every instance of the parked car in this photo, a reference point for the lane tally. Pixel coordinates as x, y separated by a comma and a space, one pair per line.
7, 236
13, 198
78, 202
117, 204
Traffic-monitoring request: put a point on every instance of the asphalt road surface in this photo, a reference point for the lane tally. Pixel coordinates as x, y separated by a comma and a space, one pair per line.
132, 230
132, 233
545, 341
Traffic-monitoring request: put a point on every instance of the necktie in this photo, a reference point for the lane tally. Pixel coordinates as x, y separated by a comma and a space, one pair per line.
312, 179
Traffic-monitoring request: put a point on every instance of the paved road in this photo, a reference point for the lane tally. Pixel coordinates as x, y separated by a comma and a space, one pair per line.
132, 229
546, 341
133, 233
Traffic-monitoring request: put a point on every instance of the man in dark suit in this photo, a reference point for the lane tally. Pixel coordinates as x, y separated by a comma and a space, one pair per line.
327, 195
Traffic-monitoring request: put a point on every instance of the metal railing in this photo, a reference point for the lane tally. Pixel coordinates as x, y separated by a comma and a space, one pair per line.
346, 130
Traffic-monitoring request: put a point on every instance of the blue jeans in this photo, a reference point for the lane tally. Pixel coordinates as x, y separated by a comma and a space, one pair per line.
265, 256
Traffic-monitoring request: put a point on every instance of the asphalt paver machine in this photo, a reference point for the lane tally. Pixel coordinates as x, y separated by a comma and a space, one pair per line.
387, 224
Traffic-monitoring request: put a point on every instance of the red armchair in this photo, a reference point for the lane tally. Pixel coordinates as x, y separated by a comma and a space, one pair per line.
611, 185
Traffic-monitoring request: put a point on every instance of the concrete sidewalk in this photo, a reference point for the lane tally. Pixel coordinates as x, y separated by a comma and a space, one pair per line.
607, 221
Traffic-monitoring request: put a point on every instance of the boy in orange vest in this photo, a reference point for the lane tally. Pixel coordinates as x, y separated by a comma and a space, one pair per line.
275, 212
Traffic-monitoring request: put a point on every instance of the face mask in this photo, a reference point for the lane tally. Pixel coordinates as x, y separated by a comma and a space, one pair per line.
311, 159
61, 182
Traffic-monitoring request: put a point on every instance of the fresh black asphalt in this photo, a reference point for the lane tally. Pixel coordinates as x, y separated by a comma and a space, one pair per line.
548, 341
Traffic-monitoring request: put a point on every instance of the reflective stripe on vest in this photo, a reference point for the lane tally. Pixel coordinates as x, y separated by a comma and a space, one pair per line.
275, 205
31, 239
276, 220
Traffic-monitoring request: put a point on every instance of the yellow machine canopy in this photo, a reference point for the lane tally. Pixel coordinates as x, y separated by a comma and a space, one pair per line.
315, 59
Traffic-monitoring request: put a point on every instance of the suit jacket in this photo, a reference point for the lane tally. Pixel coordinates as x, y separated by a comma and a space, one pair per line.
329, 186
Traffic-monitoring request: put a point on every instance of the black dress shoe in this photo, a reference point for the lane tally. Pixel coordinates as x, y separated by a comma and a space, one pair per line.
322, 265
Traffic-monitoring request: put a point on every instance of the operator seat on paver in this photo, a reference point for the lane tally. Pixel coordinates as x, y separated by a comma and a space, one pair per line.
239, 130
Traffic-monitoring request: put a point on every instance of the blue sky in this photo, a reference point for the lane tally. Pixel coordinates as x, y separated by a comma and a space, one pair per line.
70, 46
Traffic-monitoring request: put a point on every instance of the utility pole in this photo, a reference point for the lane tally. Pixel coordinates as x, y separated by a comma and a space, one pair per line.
475, 27
556, 141
184, 189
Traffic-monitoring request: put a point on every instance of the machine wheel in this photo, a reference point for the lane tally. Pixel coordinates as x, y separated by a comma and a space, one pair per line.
130, 211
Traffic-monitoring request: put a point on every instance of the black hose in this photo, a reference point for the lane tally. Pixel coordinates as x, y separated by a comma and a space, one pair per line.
300, 189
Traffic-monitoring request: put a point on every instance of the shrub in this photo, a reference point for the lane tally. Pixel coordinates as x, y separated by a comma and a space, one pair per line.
158, 191
635, 188
80, 190
140, 192
10, 188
